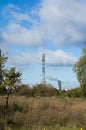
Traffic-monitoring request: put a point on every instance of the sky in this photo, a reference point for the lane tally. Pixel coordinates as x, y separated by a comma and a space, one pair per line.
56, 28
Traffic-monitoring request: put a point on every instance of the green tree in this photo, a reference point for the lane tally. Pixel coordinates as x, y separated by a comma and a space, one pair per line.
3, 59
80, 69
11, 79
8, 78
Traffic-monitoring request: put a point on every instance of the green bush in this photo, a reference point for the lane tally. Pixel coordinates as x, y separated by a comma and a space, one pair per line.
44, 90
24, 90
2, 124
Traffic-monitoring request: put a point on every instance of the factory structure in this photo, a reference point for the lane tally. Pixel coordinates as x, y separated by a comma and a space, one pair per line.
59, 82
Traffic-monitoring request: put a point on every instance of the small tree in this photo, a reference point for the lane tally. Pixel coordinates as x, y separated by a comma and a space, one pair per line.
3, 59
80, 69
12, 78
9, 78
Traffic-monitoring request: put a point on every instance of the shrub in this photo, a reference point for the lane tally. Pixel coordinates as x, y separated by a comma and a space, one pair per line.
44, 90
23, 90
28, 113
2, 124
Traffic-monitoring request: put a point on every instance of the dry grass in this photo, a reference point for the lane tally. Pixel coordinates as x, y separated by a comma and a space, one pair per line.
38, 113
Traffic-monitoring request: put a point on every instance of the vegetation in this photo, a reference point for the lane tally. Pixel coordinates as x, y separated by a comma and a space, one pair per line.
80, 69
41, 107
51, 113
3, 59
8, 78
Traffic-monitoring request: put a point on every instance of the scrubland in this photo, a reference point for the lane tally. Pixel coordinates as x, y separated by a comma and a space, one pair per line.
42, 113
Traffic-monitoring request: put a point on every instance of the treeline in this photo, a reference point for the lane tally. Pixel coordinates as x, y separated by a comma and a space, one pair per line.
41, 90
37, 90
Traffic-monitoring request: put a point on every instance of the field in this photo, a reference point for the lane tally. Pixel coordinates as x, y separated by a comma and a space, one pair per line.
42, 113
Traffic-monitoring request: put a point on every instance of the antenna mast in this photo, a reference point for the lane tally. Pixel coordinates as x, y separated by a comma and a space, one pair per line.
43, 69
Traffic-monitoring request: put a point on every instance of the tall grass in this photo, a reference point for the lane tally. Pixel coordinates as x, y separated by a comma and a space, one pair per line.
42, 113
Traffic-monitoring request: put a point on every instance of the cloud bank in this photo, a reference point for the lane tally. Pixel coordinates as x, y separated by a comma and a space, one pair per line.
52, 58
62, 22
59, 21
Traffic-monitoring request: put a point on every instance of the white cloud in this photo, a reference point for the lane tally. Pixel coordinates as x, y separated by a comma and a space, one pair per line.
59, 58
59, 21
20, 28
20, 16
14, 13
63, 20
17, 34
53, 58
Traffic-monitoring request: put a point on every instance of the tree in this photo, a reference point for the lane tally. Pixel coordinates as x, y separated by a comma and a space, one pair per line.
12, 78
3, 59
8, 78
80, 69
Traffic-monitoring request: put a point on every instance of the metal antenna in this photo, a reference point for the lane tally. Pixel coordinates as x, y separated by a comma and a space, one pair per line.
43, 69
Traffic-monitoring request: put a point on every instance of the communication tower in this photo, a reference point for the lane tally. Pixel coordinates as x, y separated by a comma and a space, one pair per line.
43, 69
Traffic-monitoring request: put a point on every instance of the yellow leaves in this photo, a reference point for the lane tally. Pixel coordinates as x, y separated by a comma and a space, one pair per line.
44, 129
7, 128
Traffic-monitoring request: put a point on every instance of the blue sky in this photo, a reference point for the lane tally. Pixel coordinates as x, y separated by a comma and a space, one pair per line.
30, 28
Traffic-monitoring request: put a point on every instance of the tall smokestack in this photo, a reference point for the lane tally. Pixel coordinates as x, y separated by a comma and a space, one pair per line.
59, 85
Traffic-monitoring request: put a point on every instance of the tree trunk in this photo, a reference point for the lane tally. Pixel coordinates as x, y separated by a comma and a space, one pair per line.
7, 100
